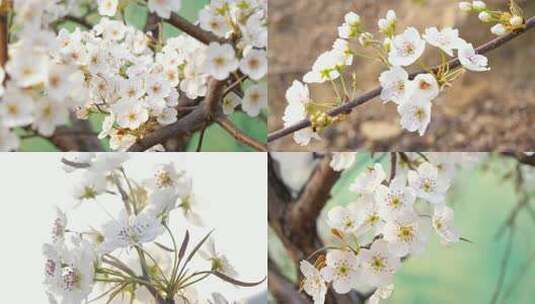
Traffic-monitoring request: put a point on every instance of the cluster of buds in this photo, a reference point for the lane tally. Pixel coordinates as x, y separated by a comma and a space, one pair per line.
505, 21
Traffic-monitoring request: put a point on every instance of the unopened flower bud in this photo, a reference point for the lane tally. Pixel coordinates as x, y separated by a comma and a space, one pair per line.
498, 29
365, 38
485, 17
391, 16
382, 24
465, 6
516, 21
387, 43
479, 5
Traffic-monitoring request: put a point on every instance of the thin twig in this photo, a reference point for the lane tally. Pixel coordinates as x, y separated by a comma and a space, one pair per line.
503, 267
201, 138
348, 106
393, 165
231, 129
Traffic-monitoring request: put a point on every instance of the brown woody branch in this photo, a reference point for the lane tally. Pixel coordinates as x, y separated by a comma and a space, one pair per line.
348, 106
303, 214
294, 219
198, 119
193, 30
68, 139
4, 35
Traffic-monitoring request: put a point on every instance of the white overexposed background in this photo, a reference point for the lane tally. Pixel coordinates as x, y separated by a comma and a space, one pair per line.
231, 187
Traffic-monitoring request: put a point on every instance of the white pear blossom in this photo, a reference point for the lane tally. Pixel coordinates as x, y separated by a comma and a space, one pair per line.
378, 264
395, 200
48, 115
254, 64
17, 109
214, 22
90, 186
394, 83
72, 279
9, 141
325, 68
161, 202
344, 219
164, 8
406, 48
428, 183
341, 270
107, 7
298, 96
368, 181
313, 283
342, 46
255, 99
471, 60
130, 230
230, 102
446, 39
406, 235
130, 114
368, 216
220, 60
219, 261
342, 160
423, 87
381, 293
415, 115
443, 224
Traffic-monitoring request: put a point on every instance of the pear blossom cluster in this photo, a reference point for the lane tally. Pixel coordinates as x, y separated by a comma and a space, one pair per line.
504, 22
398, 50
134, 80
128, 249
36, 89
392, 217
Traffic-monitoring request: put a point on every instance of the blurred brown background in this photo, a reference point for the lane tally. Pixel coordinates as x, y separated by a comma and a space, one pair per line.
493, 110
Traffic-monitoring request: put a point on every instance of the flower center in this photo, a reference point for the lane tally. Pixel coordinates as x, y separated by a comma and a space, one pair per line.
378, 263
406, 233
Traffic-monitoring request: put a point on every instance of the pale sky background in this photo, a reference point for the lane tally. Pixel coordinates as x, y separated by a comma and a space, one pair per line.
232, 189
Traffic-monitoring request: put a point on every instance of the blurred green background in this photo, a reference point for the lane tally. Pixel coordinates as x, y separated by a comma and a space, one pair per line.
464, 272
215, 138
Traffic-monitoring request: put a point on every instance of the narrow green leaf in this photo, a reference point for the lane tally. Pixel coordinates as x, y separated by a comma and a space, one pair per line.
184, 246
236, 282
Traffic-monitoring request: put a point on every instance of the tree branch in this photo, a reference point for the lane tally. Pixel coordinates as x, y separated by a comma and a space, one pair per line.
198, 119
303, 214
68, 139
228, 126
348, 106
193, 30
4, 32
